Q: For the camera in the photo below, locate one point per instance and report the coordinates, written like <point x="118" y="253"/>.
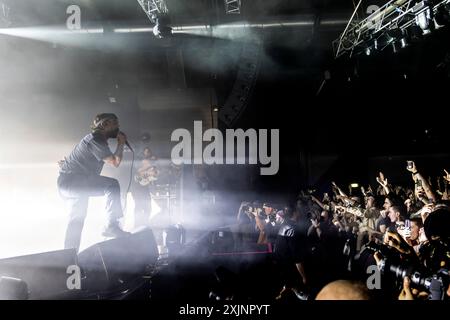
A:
<point x="385" y="250"/>
<point x="435" y="284"/>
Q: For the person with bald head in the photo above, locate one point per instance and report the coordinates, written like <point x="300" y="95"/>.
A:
<point x="344" y="290"/>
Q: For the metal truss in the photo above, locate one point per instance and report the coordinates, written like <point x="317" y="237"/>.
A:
<point x="232" y="6"/>
<point x="394" y="16"/>
<point x="153" y="8"/>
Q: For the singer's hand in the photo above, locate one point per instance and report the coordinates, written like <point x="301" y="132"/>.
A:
<point x="121" y="138"/>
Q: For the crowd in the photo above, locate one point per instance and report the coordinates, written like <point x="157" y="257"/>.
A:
<point x="389" y="242"/>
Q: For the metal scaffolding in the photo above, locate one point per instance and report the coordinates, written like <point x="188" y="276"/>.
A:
<point x="394" y="18"/>
<point x="232" y="6"/>
<point x="153" y="8"/>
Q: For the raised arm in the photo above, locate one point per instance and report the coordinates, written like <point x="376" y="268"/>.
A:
<point x="419" y="179"/>
<point x="383" y="182"/>
<point x="319" y="203"/>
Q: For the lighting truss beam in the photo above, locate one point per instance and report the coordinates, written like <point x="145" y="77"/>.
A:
<point x="232" y="6"/>
<point x="396" y="14"/>
<point x="153" y="8"/>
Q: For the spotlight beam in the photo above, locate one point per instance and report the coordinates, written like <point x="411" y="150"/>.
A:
<point x="240" y="30"/>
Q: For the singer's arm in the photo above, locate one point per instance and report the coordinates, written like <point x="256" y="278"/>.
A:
<point x="116" y="158"/>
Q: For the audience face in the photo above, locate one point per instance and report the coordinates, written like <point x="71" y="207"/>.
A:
<point x="147" y="153"/>
<point x="370" y="202"/>
<point x="393" y="215"/>
<point x="356" y="199"/>
<point x="325" y="216"/>
<point x="268" y="210"/>
<point x="408" y="203"/>
<point x="415" y="229"/>
<point x="387" y="204"/>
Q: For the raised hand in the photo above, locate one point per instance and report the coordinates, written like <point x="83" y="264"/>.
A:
<point x="396" y="241"/>
<point x="121" y="138"/>
<point x="315" y="222"/>
<point x="382" y="180"/>
<point x="411" y="168"/>
<point x="406" y="293"/>
<point x="447" y="176"/>
<point x="335" y="186"/>
<point x="411" y="294"/>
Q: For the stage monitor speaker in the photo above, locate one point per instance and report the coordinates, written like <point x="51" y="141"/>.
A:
<point x="111" y="263"/>
<point x="45" y="274"/>
<point x="13" y="289"/>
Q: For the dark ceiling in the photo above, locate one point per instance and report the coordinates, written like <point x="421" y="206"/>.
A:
<point x="364" y="94"/>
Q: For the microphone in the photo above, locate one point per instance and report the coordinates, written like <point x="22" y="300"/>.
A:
<point x="129" y="147"/>
<point x="127" y="143"/>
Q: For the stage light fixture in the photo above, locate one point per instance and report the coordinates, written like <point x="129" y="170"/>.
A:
<point x="396" y="46"/>
<point x="424" y="20"/>
<point x="442" y="17"/>
<point x="404" y="42"/>
<point x="161" y="29"/>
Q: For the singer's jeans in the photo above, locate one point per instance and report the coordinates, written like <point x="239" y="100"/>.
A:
<point x="76" y="189"/>
<point x="142" y="204"/>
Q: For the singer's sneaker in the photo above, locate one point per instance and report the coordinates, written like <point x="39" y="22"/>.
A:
<point x="114" y="231"/>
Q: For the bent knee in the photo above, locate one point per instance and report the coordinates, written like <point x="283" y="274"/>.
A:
<point x="113" y="185"/>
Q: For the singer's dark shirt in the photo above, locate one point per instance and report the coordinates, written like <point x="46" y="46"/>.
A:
<point x="87" y="156"/>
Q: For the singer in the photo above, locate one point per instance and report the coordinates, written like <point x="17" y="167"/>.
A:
<point x="79" y="178"/>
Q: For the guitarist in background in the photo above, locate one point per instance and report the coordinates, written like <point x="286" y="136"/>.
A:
<point x="145" y="174"/>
